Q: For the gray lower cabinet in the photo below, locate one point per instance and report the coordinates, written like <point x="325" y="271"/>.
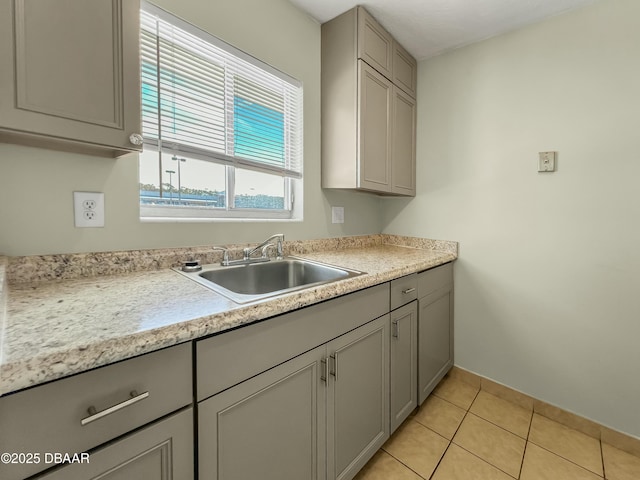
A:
<point x="311" y="394"/>
<point x="435" y="327"/>
<point x="161" y="451"/>
<point x="404" y="363"/>
<point x="84" y="412"/>
<point x="322" y="414"/>
<point x="269" y="427"/>
<point x="70" y="76"/>
<point x="357" y="398"/>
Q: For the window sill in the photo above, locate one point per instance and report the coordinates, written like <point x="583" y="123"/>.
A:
<point x="217" y="220"/>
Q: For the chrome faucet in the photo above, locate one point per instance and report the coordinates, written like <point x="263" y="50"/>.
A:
<point x="247" y="252"/>
<point x="264" y="246"/>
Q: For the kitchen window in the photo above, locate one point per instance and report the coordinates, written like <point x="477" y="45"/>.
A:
<point x="222" y="130"/>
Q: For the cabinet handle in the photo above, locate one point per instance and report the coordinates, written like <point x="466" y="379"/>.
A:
<point x="136" y="139"/>
<point x="409" y="290"/>
<point x="94" y="415"/>
<point x="334" y="357"/>
<point x="325" y="369"/>
<point x="396" y="329"/>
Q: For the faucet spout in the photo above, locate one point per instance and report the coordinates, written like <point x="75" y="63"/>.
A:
<point x="279" y="237"/>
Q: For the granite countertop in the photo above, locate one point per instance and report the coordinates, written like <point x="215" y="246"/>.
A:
<point x="55" y="328"/>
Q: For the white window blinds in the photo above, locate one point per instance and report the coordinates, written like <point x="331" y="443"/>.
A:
<point x="204" y="98"/>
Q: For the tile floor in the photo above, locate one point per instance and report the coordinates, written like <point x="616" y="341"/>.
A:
<point x="463" y="433"/>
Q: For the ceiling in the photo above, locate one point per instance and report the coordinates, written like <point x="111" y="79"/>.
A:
<point x="429" y="27"/>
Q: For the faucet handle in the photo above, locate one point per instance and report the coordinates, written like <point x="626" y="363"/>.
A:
<point x="265" y="250"/>
<point x="225" y="256"/>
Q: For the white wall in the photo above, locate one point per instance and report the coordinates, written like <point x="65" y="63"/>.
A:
<point x="548" y="280"/>
<point x="36" y="207"/>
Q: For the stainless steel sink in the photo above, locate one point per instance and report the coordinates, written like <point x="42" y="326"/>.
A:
<point x="249" y="283"/>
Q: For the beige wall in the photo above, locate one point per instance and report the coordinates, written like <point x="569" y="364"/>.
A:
<point x="548" y="280"/>
<point x="36" y="206"/>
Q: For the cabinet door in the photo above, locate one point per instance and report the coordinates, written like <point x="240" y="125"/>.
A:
<point x="375" y="44"/>
<point x="404" y="363"/>
<point x="374" y="130"/>
<point x="405" y="70"/>
<point x="162" y="451"/>
<point x="77" y="73"/>
<point x="357" y="405"/>
<point x="435" y="339"/>
<point x="403" y="143"/>
<point x="270" y="427"/>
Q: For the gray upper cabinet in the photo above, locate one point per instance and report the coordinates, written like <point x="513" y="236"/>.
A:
<point x="71" y="75"/>
<point x="375" y="45"/>
<point x="375" y="101"/>
<point x="368" y="107"/>
<point x="403" y="141"/>
<point x="404" y="70"/>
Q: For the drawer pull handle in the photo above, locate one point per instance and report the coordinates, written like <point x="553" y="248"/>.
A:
<point x="325" y="369"/>
<point x="94" y="415"/>
<point x="409" y="290"/>
<point x="334" y="357"/>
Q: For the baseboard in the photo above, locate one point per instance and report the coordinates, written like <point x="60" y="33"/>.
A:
<point x="607" y="435"/>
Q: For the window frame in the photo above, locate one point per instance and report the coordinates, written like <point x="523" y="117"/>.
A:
<point x="293" y="186"/>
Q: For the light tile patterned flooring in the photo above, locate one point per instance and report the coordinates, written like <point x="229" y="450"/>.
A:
<point x="463" y="433"/>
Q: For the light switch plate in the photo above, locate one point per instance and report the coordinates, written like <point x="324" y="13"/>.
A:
<point x="547" y="162"/>
<point x="88" y="208"/>
<point x="337" y="214"/>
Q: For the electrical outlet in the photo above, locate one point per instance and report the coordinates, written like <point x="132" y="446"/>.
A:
<point x="88" y="209"/>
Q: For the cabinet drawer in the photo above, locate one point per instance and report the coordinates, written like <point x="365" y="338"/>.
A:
<point x="49" y="418"/>
<point x="432" y="280"/>
<point x="163" y="450"/>
<point x="404" y="290"/>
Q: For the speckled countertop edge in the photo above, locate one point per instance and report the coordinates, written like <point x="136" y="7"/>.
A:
<point x="58" y="328"/>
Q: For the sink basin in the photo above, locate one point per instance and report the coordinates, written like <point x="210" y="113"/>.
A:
<point x="249" y="283"/>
